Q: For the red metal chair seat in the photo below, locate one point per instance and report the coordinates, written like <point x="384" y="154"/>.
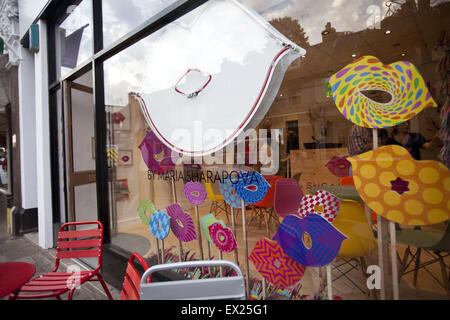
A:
<point x="56" y="282"/>
<point x="73" y="244"/>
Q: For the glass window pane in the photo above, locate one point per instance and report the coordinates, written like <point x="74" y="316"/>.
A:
<point x="316" y="137"/>
<point x="120" y="17"/>
<point x="74" y="40"/>
<point x="4" y="149"/>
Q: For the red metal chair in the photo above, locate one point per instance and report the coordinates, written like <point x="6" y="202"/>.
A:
<point x="132" y="282"/>
<point x="263" y="210"/>
<point x="72" y="244"/>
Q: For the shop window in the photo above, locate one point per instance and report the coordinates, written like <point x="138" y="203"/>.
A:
<point x="333" y="35"/>
<point x="5" y="149"/>
<point x="121" y="17"/>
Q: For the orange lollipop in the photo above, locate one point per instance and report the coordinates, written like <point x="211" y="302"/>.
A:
<point x="401" y="189"/>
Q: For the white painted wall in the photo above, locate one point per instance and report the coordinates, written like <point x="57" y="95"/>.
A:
<point x="43" y="161"/>
<point x="27" y="118"/>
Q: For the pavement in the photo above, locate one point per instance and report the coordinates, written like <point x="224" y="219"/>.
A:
<point x="25" y="249"/>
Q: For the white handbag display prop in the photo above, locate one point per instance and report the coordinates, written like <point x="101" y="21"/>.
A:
<point x="211" y="74"/>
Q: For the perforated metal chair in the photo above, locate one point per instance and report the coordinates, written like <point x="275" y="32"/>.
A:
<point x="72" y="244"/>
<point x="225" y="288"/>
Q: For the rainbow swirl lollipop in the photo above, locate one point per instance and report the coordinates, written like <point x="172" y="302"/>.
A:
<point x="401" y="80"/>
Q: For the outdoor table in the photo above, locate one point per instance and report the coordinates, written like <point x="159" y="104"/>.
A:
<point x="13" y="275"/>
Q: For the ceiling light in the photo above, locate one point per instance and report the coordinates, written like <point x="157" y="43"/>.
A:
<point x="354" y="55"/>
<point x="403" y="54"/>
<point x="387" y="31"/>
<point x="324" y="33"/>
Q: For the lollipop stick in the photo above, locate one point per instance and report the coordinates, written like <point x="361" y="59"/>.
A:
<point x="162" y="251"/>
<point x="233" y="222"/>
<point x="244" y="228"/>
<point x="329" y="282"/>
<point x="221" y="258"/>
<point x="199" y="234"/>
<point x="174" y="194"/>
<point x="158" y="251"/>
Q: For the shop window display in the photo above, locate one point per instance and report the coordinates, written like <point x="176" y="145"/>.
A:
<point x="313" y="121"/>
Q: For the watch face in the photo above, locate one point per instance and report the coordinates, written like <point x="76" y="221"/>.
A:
<point x="211" y="74"/>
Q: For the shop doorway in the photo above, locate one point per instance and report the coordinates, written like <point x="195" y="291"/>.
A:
<point x="80" y="149"/>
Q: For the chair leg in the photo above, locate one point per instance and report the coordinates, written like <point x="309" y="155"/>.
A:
<point x="71" y="292"/>
<point x="403" y="263"/>
<point x="105" y="287"/>
<point x="444" y="273"/>
<point x="419" y="250"/>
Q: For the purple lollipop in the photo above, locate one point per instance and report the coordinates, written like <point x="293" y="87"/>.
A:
<point x="325" y="240"/>
<point x="156" y="155"/>
<point x="181" y="223"/>
<point x="195" y="193"/>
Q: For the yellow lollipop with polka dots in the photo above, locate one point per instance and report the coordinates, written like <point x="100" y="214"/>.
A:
<point x="401" y="189"/>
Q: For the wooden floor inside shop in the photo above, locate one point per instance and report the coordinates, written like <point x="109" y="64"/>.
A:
<point x="352" y="286"/>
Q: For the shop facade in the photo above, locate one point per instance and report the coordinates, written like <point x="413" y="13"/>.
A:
<point x="84" y="63"/>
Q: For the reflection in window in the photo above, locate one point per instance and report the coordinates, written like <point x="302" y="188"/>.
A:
<point x="334" y="34"/>
<point x="120" y="17"/>
<point x="75" y="37"/>
<point x="4" y="149"/>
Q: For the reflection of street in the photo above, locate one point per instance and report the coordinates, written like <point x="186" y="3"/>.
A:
<point x="409" y="32"/>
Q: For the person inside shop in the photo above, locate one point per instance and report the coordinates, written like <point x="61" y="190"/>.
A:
<point x="413" y="142"/>
<point x="360" y="139"/>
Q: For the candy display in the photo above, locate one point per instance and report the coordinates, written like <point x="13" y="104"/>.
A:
<point x="401" y="189"/>
<point x="401" y="80"/>
<point x="181" y="223"/>
<point x="322" y="246"/>
<point x="274" y="265"/>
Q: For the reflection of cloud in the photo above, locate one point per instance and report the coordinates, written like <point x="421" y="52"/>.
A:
<point x="348" y="15"/>
<point x="120" y="16"/>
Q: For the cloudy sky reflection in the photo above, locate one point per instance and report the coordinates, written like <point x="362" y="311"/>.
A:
<point x="126" y="71"/>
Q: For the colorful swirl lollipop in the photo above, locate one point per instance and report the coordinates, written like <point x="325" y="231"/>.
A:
<point x="195" y="193"/>
<point x="208" y="221"/>
<point x="222" y="237"/>
<point x="160" y="225"/>
<point x="143" y="208"/>
<point x="400" y="80"/>
<point x="401" y="189"/>
<point x="181" y="223"/>
<point x="229" y="194"/>
<point x="157" y="156"/>
<point x="274" y="265"/>
<point x="325" y="240"/>
<point x="251" y="186"/>
<point x="322" y="203"/>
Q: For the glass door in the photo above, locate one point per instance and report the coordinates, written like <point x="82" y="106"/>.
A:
<point x="81" y="184"/>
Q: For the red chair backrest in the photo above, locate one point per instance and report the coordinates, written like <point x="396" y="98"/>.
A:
<point x="132" y="282"/>
<point x="74" y="244"/>
<point x="268" y="199"/>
